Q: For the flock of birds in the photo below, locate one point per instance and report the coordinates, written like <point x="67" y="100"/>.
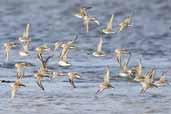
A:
<point x="122" y="56"/>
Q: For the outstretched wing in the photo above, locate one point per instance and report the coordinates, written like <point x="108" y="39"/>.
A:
<point x="73" y="41"/>
<point x="150" y="75"/>
<point x="72" y="83"/>
<point x="107" y="75"/>
<point x="27" y="31"/>
<point x="39" y="56"/>
<point x="118" y="58"/>
<point x="163" y="77"/>
<point x="64" y="54"/>
<point x="95" y="20"/>
<point x="110" y="23"/>
<point x="100" y="43"/>
<point x="139" y="67"/>
<point x="13" y="92"/>
<point x="20" y="75"/>
<point x="47" y="59"/>
<point x="125" y="64"/>
<point x="39" y="83"/>
<point x="65" y="57"/>
<point x="26" y="46"/>
<point x="100" y="90"/>
<point x="86" y="21"/>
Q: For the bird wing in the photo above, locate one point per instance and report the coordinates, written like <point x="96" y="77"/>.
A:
<point x="125" y="65"/>
<point x="72" y="83"/>
<point x="96" y="21"/>
<point x="13" y="92"/>
<point x="64" y="53"/>
<point x="71" y="43"/>
<point x="43" y="63"/>
<point x="24" y="34"/>
<point x="86" y="23"/>
<point x="27" y="31"/>
<point x="110" y="23"/>
<point x="39" y="56"/>
<point x="75" y="39"/>
<point x="118" y="58"/>
<point x="150" y="75"/>
<point x="100" y="90"/>
<point x="153" y="76"/>
<point x="107" y="75"/>
<point x="163" y="77"/>
<point x="139" y="67"/>
<point x="7" y="50"/>
<point x="19" y="75"/>
<point x="47" y="59"/>
<point x="39" y="83"/>
<point x="100" y="43"/>
<point x="26" y="46"/>
<point x="65" y="57"/>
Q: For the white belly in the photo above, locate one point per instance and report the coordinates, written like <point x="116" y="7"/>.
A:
<point x="98" y="55"/>
<point x="107" y="32"/>
<point x="121" y="74"/>
<point x="63" y="63"/>
<point x="23" y="53"/>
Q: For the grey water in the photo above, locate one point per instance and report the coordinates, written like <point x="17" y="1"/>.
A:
<point x="53" y="20"/>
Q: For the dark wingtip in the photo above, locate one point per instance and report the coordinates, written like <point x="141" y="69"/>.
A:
<point x="76" y="37"/>
<point x="40" y="85"/>
<point x="97" y="92"/>
<point x="72" y="83"/>
<point x="87" y="7"/>
<point x="23" y="85"/>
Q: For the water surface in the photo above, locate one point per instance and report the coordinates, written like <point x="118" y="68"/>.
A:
<point x="53" y="20"/>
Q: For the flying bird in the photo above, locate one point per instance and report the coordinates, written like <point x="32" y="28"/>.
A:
<point x="106" y="83"/>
